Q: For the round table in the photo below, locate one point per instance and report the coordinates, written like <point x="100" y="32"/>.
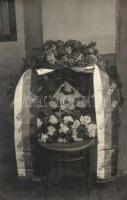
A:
<point x="68" y="153"/>
<point x="71" y="147"/>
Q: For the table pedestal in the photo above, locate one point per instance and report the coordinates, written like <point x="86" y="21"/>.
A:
<point x="69" y="156"/>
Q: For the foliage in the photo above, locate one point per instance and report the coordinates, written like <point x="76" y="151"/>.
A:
<point x="59" y="54"/>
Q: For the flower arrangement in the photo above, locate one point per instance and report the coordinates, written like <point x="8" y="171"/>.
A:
<point x="64" y="54"/>
<point x="65" y="129"/>
<point x="66" y="117"/>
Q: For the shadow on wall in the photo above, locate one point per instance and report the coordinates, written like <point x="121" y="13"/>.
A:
<point x="82" y="20"/>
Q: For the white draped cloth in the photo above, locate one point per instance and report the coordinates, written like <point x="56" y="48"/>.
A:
<point x="105" y="106"/>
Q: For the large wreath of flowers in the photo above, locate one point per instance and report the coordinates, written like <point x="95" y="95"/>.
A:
<point x="66" y="130"/>
<point x="64" y="54"/>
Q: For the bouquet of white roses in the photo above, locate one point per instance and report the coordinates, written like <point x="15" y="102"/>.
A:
<point x="65" y="129"/>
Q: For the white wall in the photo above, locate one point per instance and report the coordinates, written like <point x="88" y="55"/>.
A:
<point x="84" y="20"/>
<point x="11" y="53"/>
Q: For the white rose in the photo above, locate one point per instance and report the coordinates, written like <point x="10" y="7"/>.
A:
<point x="68" y="119"/>
<point x="39" y="122"/>
<point x="76" y="124"/>
<point x="51" y="130"/>
<point x="63" y="128"/>
<point x="53" y="119"/>
<point x="85" y="120"/>
<point x="44" y="138"/>
<point x="92" y="128"/>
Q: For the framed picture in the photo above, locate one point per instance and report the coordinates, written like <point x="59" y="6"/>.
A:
<point x="7" y="21"/>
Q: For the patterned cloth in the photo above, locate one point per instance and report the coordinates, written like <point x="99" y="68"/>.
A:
<point x="24" y="123"/>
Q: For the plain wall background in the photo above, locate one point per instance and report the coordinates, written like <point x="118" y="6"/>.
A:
<point x="84" y="20"/>
<point x="122" y="69"/>
<point x="11" y="53"/>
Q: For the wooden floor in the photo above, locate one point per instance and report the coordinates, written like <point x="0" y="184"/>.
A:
<point x="12" y="189"/>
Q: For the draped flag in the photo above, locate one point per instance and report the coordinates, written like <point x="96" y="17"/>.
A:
<point x="24" y="123"/>
<point x="107" y="115"/>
